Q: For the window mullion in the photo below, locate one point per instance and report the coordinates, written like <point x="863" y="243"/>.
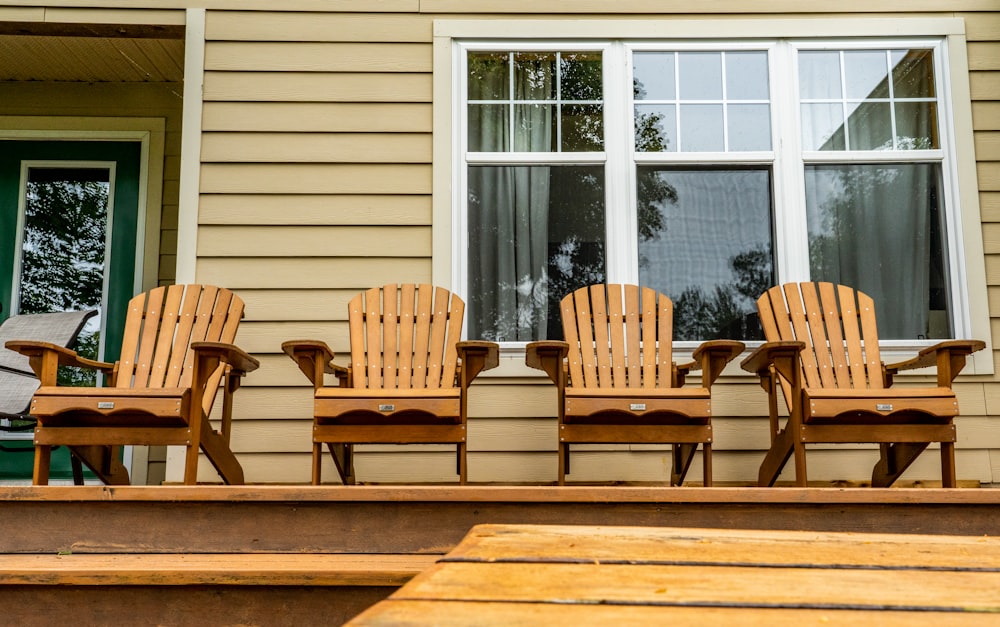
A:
<point x="791" y="232"/>
<point x="622" y="229"/>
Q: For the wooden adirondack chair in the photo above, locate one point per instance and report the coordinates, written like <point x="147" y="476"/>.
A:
<point x="823" y="350"/>
<point x="408" y="379"/>
<point x="619" y="383"/>
<point x="177" y="348"/>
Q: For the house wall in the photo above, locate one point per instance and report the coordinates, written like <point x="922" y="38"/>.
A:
<point x="316" y="182"/>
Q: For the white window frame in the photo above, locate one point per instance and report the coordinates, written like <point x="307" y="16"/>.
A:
<point x="782" y="38"/>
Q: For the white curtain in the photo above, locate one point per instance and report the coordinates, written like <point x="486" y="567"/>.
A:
<point x="508" y="219"/>
<point x="870" y="228"/>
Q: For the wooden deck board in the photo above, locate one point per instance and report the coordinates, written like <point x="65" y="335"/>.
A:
<point x="402" y="613"/>
<point x="749" y="572"/>
<point x="248" y="569"/>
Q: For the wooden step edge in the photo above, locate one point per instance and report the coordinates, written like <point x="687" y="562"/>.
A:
<point x="244" y="569"/>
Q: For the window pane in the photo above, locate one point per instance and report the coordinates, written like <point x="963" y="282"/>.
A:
<point x="866" y="74"/>
<point x="700" y="75"/>
<point x="489" y="75"/>
<point x="534" y="76"/>
<point x="488" y="129"/>
<point x="819" y="75"/>
<point x="749" y="127"/>
<point x="916" y="125"/>
<point x="655" y="128"/>
<point x="705" y="240"/>
<point x="580" y="76"/>
<point x="823" y="127"/>
<point x="701" y="128"/>
<point x="746" y="76"/>
<point x="582" y="128"/>
<point x="913" y="73"/>
<point x="536" y="233"/>
<point x="870" y="126"/>
<point x="653" y="76"/>
<point x="534" y="128"/>
<point x="63" y="263"/>
<point x="879" y="229"/>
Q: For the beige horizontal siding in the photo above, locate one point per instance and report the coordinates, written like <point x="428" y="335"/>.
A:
<point x="984" y="85"/>
<point x="986" y="116"/>
<point x="984" y="56"/>
<point x="315" y="178"/>
<point x="313" y="87"/>
<point x="314" y="241"/>
<point x="989" y="175"/>
<point x="343" y="209"/>
<point x="317" y="117"/>
<point x="317" y="57"/>
<point x="316" y="147"/>
<point x="311" y="273"/>
<point x="266" y="337"/>
<point x="987" y="146"/>
<point x="320" y="26"/>
<point x="289" y="305"/>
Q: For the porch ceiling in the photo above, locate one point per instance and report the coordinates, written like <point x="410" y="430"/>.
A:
<point x="91" y="59"/>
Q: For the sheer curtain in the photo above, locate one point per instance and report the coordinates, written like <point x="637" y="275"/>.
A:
<point x="870" y="228"/>
<point x="508" y="219"/>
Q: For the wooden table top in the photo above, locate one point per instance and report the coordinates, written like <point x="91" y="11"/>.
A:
<point x="542" y="574"/>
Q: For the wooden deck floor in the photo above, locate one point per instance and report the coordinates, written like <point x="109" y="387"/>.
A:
<point x="172" y="554"/>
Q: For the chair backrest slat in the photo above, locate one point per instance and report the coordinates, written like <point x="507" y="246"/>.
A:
<point x="568" y="313"/>
<point x="602" y="341"/>
<point x="616" y="329"/>
<point x="405" y="337"/>
<point x="439" y="333"/>
<point x="619" y="336"/>
<point x="373" y="337"/>
<point x="869" y="337"/>
<point x="390" y="336"/>
<point x="407" y="328"/>
<point x="421" y="346"/>
<point x="356" y="325"/>
<point x="456" y="314"/>
<point x="837" y="324"/>
<point x="583" y="317"/>
<point x="665" y="332"/>
<point x="830" y="314"/>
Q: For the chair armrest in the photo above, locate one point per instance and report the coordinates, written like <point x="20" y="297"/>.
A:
<point x="711" y="358"/>
<point x="477" y="356"/>
<point x="548" y="355"/>
<point x="948" y="356"/>
<point x="44" y="355"/>
<point x="314" y="358"/>
<point x="239" y="360"/>
<point x="783" y="355"/>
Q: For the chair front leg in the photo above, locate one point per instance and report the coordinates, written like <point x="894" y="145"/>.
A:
<point x="40" y="473"/>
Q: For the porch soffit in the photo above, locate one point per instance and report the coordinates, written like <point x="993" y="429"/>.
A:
<point x="91" y="53"/>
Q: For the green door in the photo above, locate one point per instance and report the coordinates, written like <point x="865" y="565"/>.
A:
<point x="69" y="228"/>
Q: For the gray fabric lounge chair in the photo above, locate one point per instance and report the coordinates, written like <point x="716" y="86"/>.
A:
<point x="17" y="380"/>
